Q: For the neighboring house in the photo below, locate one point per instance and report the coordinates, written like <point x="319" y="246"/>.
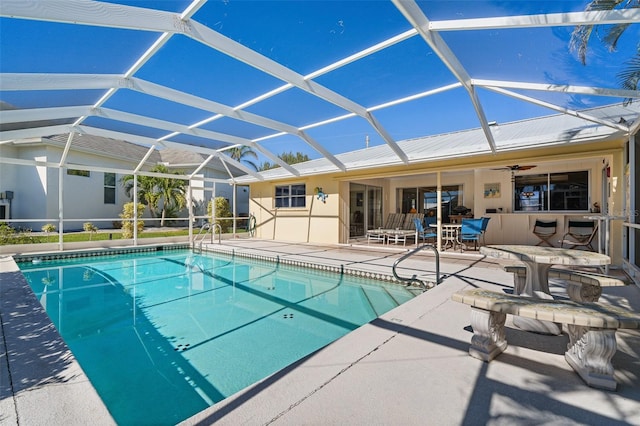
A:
<point x="30" y="196"/>
<point x="576" y="163"/>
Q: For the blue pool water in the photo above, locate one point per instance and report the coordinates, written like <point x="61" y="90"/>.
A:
<point x="164" y="335"/>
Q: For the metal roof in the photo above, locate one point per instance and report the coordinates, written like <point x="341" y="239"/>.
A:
<point x="315" y="77"/>
<point x="521" y="135"/>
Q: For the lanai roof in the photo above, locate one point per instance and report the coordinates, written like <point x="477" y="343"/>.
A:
<point x="323" y="78"/>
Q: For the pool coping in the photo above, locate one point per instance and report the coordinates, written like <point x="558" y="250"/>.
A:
<point x="351" y="375"/>
<point x="41" y="382"/>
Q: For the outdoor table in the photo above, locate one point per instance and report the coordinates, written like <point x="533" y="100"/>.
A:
<point x="450" y="234"/>
<point x="537" y="261"/>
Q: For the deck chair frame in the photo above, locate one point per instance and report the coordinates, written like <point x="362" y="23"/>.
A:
<point x="545" y="230"/>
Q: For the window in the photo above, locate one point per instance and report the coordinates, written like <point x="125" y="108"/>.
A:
<point x="109" y="188"/>
<point x="552" y="192"/>
<point x="451" y="198"/>
<point x="75" y="172"/>
<point x="291" y="196"/>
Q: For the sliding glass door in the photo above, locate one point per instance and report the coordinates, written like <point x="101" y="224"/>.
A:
<point x="365" y="209"/>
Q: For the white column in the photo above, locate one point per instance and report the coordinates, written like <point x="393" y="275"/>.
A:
<point x="135" y="209"/>
<point x="60" y="207"/>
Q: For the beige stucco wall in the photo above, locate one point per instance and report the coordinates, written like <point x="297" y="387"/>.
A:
<point x="329" y="222"/>
<point x="318" y="221"/>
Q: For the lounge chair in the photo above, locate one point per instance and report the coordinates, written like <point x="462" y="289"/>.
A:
<point x="394" y="220"/>
<point x="409" y="220"/>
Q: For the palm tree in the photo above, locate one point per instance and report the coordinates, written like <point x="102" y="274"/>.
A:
<point x="152" y="190"/>
<point x="146" y="191"/>
<point x="240" y="154"/>
<point x="629" y="77"/>
<point x="172" y="192"/>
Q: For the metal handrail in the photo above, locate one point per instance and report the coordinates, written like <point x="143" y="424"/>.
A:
<point x="414" y="278"/>
<point x="208" y="227"/>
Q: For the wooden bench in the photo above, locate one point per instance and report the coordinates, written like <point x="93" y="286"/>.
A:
<point x="591" y="328"/>
<point x="581" y="286"/>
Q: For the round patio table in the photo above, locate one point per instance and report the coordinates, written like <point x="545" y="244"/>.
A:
<point x="537" y="261"/>
<point x="450" y="234"/>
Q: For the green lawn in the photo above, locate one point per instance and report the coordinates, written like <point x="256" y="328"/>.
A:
<point x="7" y="238"/>
<point x="76" y="237"/>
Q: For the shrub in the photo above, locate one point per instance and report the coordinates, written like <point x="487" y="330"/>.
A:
<point x="48" y="228"/>
<point x="90" y="228"/>
<point x="6" y="233"/>
<point x="9" y="235"/>
<point x="222" y="210"/>
<point x="127" y="224"/>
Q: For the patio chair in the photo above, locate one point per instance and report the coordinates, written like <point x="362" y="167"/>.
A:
<point x="430" y="220"/>
<point x="580" y="234"/>
<point x="485" y="223"/>
<point x="471" y="230"/>
<point x="545" y="230"/>
<point x="422" y="233"/>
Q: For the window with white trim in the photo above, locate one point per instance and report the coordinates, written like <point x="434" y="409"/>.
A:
<point x="290" y="196"/>
<point x="552" y="192"/>
<point x="109" y="188"/>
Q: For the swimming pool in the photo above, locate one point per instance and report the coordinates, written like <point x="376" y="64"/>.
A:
<point x="163" y="335"/>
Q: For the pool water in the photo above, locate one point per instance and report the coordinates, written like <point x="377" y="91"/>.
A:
<point x="164" y="335"/>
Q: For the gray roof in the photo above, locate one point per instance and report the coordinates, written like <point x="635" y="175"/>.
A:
<point x="110" y="147"/>
<point x="554" y="130"/>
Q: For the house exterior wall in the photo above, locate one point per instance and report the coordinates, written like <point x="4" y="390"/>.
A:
<point x="36" y="189"/>
<point x="30" y="189"/>
<point x="329" y="223"/>
<point x="318" y="221"/>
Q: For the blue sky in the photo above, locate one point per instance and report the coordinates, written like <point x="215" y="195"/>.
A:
<point x="306" y="36"/>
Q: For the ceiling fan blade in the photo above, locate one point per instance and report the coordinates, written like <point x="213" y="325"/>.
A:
<point x="515" y="168"/>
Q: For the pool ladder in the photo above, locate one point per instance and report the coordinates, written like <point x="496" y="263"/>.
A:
<point x="414" y="279"/>
<point x="206" y="228"/>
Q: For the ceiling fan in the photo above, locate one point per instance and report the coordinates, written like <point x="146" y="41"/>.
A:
<point x="515" y="168"/>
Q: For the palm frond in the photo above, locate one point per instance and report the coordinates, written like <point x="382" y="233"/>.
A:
<point x="582" y="33"/>
<point x="629" y="77"/>
<point x="613" y="35"/>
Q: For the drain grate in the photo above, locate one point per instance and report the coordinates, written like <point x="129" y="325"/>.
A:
<point x="182" y="347"/>
<point x="288" y="316"/>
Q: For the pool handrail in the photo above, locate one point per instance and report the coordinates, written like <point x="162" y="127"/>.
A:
<point x="414" y="278"/>
<point x="206" y="227"/>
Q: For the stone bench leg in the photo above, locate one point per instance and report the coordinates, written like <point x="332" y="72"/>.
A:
<point x="589" y="353"/>
<point x="488" y="339"/>
<point x="519" y="282"/>
<point x="583" y="292"/>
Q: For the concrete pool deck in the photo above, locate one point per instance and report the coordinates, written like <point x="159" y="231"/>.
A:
<point x="410" y="366"/>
